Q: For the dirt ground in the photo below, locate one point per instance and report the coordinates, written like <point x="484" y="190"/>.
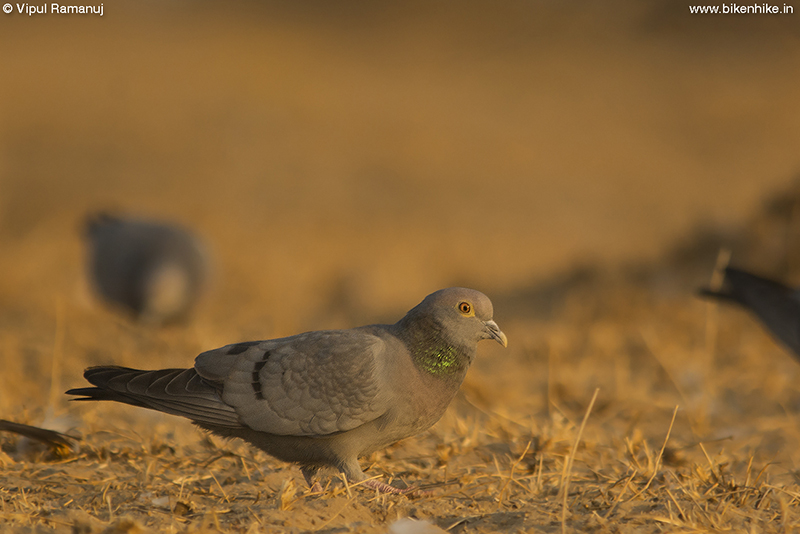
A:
<point x="582" y="164"/>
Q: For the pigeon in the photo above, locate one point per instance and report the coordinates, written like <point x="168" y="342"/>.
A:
<point x="153" y="270"/>
<point x="776" y="305"/>
<point x="323" y="398"/>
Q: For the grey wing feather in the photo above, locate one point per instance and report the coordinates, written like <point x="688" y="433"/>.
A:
<point x="312" y="384"/>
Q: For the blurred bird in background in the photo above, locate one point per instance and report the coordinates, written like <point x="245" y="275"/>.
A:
<point x="154" y="271"/>
<point x="776" y="305"/>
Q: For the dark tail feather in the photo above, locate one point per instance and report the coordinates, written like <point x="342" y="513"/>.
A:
<point x="175" y="391"/>
<point x="776" y="305"/>
<point x="53" y="439"/>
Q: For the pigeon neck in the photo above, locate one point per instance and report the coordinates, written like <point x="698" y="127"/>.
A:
<point x="433" y="353"/>
<point x="443" y="360"/>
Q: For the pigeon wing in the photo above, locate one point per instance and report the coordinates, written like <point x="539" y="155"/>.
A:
<point x="312" y="384"/>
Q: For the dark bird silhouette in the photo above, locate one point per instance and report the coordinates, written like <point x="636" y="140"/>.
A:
<point x="776" y="305"/>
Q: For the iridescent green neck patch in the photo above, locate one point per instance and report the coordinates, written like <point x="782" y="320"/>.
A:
<point x="438" y="360"/>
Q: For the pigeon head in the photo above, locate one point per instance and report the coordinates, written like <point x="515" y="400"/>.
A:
<point x="464" y="315"/>
<point x="442" y="331"/>
<point x="458" y="316"/>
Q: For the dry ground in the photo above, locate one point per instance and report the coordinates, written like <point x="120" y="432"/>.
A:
<point x="508" y="456"/>
<point x="582" y="164"/>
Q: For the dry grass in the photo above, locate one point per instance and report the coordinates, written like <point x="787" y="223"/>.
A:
<point x="675" y="439"/>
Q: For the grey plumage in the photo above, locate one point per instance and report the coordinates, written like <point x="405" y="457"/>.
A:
<point x="776" y="305"/>
<point x="325" y="398"/>
<point x="153" y="270"/>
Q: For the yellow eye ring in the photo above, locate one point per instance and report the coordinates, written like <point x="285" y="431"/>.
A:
<point x="465" y="308"/>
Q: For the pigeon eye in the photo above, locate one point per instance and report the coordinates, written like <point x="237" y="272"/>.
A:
<point x="465" y="308"/>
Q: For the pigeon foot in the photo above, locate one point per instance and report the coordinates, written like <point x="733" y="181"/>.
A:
<point x="383" y="487"/>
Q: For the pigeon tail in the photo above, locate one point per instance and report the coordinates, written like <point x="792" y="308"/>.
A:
<point x="174" y="391"/>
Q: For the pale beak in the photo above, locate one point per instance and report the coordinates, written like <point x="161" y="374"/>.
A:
<point x="493" y="332"/>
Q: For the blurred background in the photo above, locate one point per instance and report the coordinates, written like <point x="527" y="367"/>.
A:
<point x="343" y="160"/>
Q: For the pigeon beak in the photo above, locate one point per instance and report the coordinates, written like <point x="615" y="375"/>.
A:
<point x="493" y="332"/>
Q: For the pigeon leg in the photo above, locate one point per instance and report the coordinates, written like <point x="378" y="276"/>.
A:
<point x="309" y="472"/>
